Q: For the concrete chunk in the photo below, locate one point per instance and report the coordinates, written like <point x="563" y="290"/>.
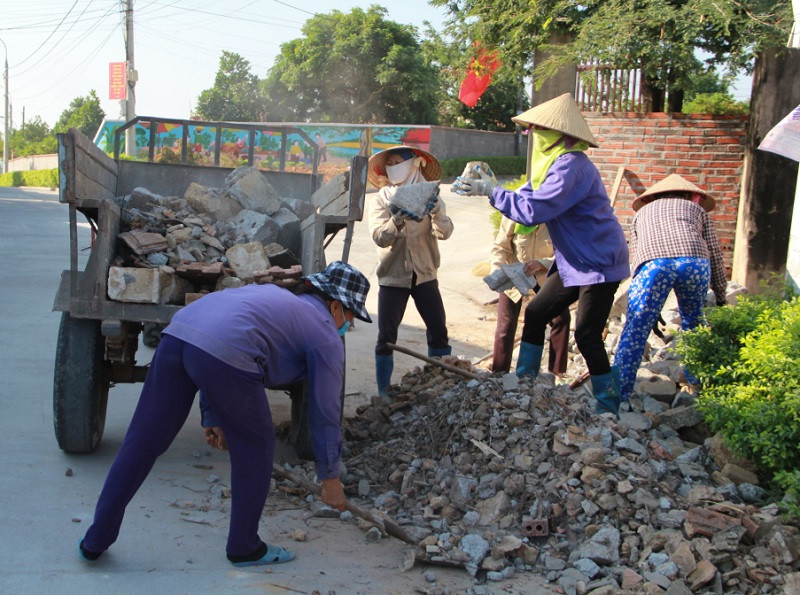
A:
<point x="249" y="187"/>
<point x="332" y="197"/>
<point x="414" y="198"/>
<point x="247" y="259"/>
<point x="253" y="226"/>
<point x="146" y="286"/>
<point x="288" y="229"/>
<point x="211" y="201"/>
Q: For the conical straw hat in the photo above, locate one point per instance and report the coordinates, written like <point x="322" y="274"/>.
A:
<point x="561" y="114"/>
<point x="376" y="170"/>
<point x="673" y="183"/>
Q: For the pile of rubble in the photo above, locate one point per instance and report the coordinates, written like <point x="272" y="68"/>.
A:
<point x="206" y="240"/>
<point x="503" y="475"/>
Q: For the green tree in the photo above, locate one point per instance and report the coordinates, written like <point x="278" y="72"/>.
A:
<point x="505" y="96"/>
<point x="352" y="67"/>
<point x="34" y="138"/>
<point x="83" y="113"/>
<point x="659" y="36"/>
<point x="235" y="94"/>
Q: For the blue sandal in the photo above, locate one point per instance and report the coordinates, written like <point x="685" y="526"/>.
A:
<point x="274" y="555"/>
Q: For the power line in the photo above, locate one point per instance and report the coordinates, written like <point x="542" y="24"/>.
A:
<point x="296" y="8"/>
<point x="48" y="37"/>
<point x="95" y="25"/>
<point x="80" y="66"/>
<point x="60" y="39"/>
<point x="229" y="15"/>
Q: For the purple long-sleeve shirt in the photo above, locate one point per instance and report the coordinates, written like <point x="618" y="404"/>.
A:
<point x="286" y="337"/>
<point x="588" y="241"/>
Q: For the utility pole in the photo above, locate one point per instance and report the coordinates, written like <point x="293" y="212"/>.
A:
<point x="6" y="124"/>
<point x="130" y="76"/>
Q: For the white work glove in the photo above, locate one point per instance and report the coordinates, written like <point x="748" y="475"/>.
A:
<point x="477" y="179"/>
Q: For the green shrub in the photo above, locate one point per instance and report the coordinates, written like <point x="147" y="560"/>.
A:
<point x="715" y="103"/>
<point x="746" y="361"/>
<point x="42" y="178"/>
<point x="501" y="166"/>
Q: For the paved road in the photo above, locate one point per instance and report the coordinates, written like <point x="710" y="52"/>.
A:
<point x="173" y="536"/>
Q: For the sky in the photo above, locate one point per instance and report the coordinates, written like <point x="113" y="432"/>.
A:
<point x="58" y="50"/>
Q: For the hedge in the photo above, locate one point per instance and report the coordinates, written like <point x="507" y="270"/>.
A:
<point x="41" y="178"/>
<point x="501" y="166"/>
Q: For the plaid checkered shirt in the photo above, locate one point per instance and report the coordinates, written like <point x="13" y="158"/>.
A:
<point x="670" y="227"/>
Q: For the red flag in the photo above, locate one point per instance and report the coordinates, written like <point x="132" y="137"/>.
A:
<point x="479" y="76"/>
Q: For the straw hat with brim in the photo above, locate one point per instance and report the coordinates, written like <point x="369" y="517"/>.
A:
<point x="561" y="114"/>
<point x="673" y="183"/>
<point x="431" y="171"/>
<point x="343" y="282"/>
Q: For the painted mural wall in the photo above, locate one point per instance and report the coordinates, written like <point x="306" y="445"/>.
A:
<point x="336" y="144"/>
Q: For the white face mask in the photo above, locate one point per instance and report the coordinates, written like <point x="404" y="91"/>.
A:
<point x="399" y="173"/>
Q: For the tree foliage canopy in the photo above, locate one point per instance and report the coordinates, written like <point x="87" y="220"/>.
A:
<point x="658" y="36"/>
<point x="352" y="67"/>
<point x="34" y="138"/>
<point x="83" y="113"/>
<point x="235" y="94"/>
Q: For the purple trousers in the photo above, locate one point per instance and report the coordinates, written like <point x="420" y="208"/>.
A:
<point x="238" y="399"/>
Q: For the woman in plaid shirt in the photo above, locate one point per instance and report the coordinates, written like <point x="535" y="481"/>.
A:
<point x="673" y="245"/>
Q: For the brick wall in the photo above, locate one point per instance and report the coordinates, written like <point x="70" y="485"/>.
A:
<point x="707" y="150"/>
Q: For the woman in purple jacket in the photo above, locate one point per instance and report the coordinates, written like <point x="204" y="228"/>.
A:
<point x="231" y="344"/>
<point x="566" y="192"/>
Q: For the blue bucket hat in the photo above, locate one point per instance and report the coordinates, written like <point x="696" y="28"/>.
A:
<point x="343" y="282"/>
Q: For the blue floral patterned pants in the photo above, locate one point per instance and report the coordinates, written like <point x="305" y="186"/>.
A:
<point x="689" y="277"/>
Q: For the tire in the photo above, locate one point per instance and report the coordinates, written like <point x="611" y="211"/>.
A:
<point x="80" y="385"/>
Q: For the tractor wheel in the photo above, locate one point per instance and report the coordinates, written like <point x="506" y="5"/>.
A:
<point x="80" y="385"/>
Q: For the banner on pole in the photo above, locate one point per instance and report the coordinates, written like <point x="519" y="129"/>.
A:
<point x="116" y="80"/>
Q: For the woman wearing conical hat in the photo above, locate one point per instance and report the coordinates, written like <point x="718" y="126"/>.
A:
<point x="408" y="253"/>
<point x="566" y="192"/>
<point x="674" y="245"/>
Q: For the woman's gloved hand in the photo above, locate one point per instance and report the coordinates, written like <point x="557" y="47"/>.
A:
<point x="476" y="181"/>
<point x="400" y="216"/>
<point x="433" y="206"/>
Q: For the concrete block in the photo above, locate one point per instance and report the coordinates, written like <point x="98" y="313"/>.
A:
<point x="144" y="200"/>
<point x="332" y="197"/>
<point x="210" y="200"/>
<point x="288" y="229"/>
<point x="147" y="286"/>
<point x="249" y="187"/>
<point x="253" y="226"/>
<point x="247" y="259"/>
<point x="414" y="198"/>
<point x="302" y="208"/>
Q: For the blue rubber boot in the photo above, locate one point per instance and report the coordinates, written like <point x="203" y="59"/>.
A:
<point x="607" y="392"/>
<point x="384" y="364"/>
<point x="529" y="359"/>
<point x="439" y="351"/>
